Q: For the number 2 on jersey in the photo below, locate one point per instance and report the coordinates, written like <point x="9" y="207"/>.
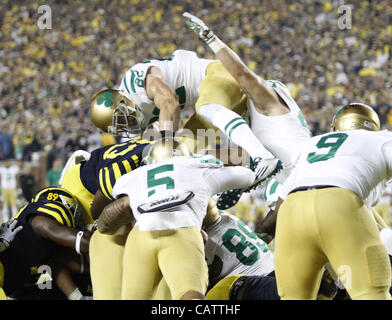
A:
<point x="332" y="142"/>
<point x="152" y="181"/>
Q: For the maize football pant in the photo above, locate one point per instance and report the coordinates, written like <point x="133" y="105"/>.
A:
<point x="106" y="255"/>
<point x="330" y="224"/>
<point x="177" y="256"/>
<point x="218" y="87"/>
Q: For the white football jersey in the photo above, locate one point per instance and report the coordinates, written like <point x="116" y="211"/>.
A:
<point x="282" y="134"/>
<point x="233" y="248"/>
<point x="357" y="160"/>
<point x="376" y="194"/>
<point x="204" y="176"/>
<point x="8" y="176"/>
<point x="183" y="72"/>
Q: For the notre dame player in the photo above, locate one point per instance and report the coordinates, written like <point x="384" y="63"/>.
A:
<point x="159" y="89"/>
<point x="325" y="212"/>
<point x="49" y="229"/>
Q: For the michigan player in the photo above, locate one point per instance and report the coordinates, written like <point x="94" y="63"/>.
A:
<point x="8" y="233"/>
<point x="276" y="120"/>
<point x="48" y="224"/>
<point x="168" y="199"/>
<point x="92" y="183"/>
<point x="157" y="90"/>
<point x="325" y="215"/>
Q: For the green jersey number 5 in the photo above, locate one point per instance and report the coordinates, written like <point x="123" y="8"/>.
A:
<point x="152" y="181"/>
<point x="332" y="143"/>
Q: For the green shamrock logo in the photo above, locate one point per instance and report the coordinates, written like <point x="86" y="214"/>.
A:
<point x="107" y="99"/>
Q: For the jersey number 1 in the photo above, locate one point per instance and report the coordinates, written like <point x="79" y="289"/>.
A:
<point x="332" y="142"/>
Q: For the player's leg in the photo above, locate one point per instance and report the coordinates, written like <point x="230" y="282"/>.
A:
<point x="222" y="289"/>
<point x="383" y="211"/>
<point x="106" y="257"/>
<point x="182" y="262"/>
<point x="141" y="274"/>
<point x="163" y="291"/>
<point x="12" y="201"/>
<point x="298" y="259"/>
<point x="198" y="134"/>
<point x="255" y="288"/>
<point x="6" y="204"/>
<point x="351" y="241"/>
<point x="221" y="103"/>
<point x="2" y="293"/>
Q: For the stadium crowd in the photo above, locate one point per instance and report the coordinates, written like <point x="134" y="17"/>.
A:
<point x="48" y="76"/>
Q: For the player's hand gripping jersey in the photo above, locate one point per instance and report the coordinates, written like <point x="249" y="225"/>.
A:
<point x="183" y="71"/>
<point x="233" y="248"/>
<point x="201" y="176"/>
<point x="357" y="160"/>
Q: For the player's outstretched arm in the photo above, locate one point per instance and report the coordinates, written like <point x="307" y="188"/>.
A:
<point x="115" y="215"/>
<point x="50" y="229"/>
<point x="165" y="99"/>
<point x="253" y="85"/>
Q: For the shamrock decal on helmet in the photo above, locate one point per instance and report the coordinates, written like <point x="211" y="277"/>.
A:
<point x="107" y="99"/>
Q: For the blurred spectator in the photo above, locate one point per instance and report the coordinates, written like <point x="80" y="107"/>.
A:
<point x="6" y="144"/>
<point x="55" y="151"/>
<point x="54" y="174"/>
<point x="27" y="181"/>
<point x="9" y="176"/>
<point x="30" y="145"/>
<point x="73" y="143"/>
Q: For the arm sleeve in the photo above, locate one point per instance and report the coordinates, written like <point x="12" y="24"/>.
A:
<point x="226" y="178"/>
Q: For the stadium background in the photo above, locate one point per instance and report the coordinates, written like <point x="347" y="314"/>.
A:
<point x="48" y="76"/>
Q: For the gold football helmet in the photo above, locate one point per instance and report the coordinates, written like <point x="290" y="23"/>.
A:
<point x="163" y="149"/>
<point x="356" y="116"/>
<point x="112" y="112"/>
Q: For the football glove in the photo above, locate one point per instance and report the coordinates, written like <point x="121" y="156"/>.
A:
<point x="199" y="27"/>
<point x="9" y="232"/>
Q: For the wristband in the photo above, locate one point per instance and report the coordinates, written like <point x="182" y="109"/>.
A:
<point x="77" y="241"/>
<point x="216" y="44"/>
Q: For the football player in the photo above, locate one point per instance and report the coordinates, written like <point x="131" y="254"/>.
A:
<point x="158" y="89"/>
<point x="325" y="214"/>
<point x="48" y="224"/>
<point x="235" y="254"/>
<point x="92" y="182"/>
<point x="276" y="120"/>
<point x="168" y="198"/>
<point x="7" y="235"/>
